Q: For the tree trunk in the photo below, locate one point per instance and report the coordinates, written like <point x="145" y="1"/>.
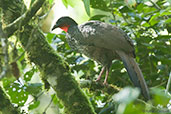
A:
<point x="5" y="106"/>
<point x="53" y="68"/>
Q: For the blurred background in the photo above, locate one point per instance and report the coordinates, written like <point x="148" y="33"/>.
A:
<point x="146" y="22"/>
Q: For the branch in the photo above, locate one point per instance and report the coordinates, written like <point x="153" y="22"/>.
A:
<point x="168" y="83"/>
<point x="55" y="71"/>
<point x="53" y="68"/>
<point x="5" y="106"/>
<point x="94" y="86"/>
<point x="156" y="6"/>
<point x="44" y="112"/>
<point x="4" y="43"/>
<point x="24" y="19"/>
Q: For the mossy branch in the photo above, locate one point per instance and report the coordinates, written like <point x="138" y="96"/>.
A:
<point x="23" y="19"/>
<point x="4" y="43"/>
<point x="56" y="71"/>
<point x="53" y="68"/>
<point x="5" y="106"/>
<point x="96" y="86"/>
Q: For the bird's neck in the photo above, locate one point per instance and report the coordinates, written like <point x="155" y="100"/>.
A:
<point x="72" y="29"/>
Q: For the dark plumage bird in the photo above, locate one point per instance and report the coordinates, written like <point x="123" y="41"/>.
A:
<point x="104" y="43"/>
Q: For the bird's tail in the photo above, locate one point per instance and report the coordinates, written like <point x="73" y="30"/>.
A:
<point x="135" y="73"/>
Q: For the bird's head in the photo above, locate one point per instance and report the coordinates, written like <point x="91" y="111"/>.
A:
<point x="64" y="23"/>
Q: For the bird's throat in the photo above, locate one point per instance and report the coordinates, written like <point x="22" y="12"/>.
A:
<point x="65" y="28"/>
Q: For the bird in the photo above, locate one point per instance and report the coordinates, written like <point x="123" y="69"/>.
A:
<point x="103" y="43"/>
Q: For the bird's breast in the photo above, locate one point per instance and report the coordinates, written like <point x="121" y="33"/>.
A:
<point x="101" y="55"/>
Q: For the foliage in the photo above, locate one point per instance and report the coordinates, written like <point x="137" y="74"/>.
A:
<point x="147" y="23"/>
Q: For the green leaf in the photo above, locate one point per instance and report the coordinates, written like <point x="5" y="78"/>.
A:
<point x="124" y="9"/>
<point x="17" y="94"/>
<point x="103" y="4"/>
<point x="133" y="108"/>
<point x="35" y="105"/>
<point x="50" y="36"/>
<point x="65" y="3"/>
<point x="153" y="19"/>
<point x="160" y="97"/>
<point x="145" y="24"/>
<point x="97" y="17"/>
<point x="50" y="1"/>
<point x="7" y="81"/>
<point x="28" y="75"/>
<point x="57" y="101"/>
<point x="34" y="88"/>
<point x="87" y="6"/>
<point x="32" y="1"/>
<point x="168" y="20"/>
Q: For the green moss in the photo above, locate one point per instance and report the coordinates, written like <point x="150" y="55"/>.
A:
<point x="5" y="105"/>
<point x="11" y="10"/>
<point x="56" y="71"/>
<point x="50" y="64"/>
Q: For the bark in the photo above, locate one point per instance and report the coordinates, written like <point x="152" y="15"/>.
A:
<point x="4" y="51"/>
<point x="5" y="106"/>
<point x="52" y="67"/>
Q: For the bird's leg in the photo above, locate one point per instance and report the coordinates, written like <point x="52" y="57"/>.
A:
<point x="101" y="72"/>
<point x="106" y="76"/>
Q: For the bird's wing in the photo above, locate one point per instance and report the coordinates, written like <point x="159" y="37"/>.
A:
<point x="106" y="36"/>
<point x="110" y="37"/>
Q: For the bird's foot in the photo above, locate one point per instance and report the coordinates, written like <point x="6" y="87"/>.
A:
<point x="98" y="79"/>
<point x="100" y="75"/>
<point x="107" y="73"/>
<point x="105" y="83"/>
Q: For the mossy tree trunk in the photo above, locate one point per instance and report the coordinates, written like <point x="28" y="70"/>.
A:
<point x="5" y="105"/>
<point x="54" y="70"/>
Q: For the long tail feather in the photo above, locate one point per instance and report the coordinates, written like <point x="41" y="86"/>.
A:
<point x="135" y="73"/>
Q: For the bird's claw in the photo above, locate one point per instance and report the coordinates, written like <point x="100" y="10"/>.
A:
<point x="98" y="79"/>
<point x="105" y="83"/>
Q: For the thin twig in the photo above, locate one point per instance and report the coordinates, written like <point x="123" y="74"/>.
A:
<point x="17" y="58"/>
<point x="27" y="46"/>
<point x="34" y="99"/>
<point x="114" y="17"/>
<point x="4" y="43"/>
<point x="154" y="109"/>
<point x="46" y="14"/>
<point x="93" y="85"/>
<point x="162" y="83"/>
<point x="49" y="104"/>
<point x="168" y="84"/>
<point x="158" y="8"/>
<point x="18" y="35"/>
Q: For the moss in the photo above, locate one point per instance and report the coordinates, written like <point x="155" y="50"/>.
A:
<point x="5" y="105"/>
<point x="11" y="10"/>
<point x="56" y="71"/>
<point x="50" y="64"/>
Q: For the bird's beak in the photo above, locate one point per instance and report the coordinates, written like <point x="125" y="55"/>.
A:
<point x="54" y="27"/>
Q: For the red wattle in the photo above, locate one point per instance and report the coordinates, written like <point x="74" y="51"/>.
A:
<point x="65" y="28"/>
